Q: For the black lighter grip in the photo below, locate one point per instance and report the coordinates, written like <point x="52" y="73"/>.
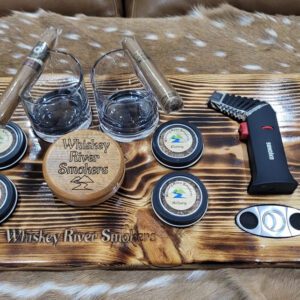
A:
<point x="268" y="163"/>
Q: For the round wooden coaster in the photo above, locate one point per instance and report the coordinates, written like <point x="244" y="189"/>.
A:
<point x="84" y="168"/>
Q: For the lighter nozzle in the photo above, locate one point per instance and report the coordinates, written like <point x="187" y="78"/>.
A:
<point x="216" y="97"/>
<point x="215" y="100"/>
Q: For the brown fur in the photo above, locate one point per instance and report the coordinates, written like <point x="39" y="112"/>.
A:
<point x="178" y="45"/>
<point x="254" y="284"/>
<point x="187" y="44"/>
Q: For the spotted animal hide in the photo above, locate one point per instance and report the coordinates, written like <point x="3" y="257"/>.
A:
<point x="222" y="40"/>
<point x="255" y="284"/>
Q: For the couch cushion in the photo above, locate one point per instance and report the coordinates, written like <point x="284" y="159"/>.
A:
<point x="105" y="8"/>
<point x="162" y="8"/>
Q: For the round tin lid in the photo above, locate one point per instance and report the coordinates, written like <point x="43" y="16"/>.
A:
<point x="8" y="198"/>
<point x="179" y="199"/>
<point x="13" y="145"/>
<point x="177" y="144"/>
<point x="84" y="168"/>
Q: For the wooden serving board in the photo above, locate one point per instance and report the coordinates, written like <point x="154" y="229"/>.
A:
<point x="123" y="232"/>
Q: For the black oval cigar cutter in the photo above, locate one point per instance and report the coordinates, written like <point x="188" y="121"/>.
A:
<point x="259" y="129"/>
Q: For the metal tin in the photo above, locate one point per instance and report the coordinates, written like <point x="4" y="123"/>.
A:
<point x="13" y="145"/>
<point x="177" y="144"/>
<point x="179" y="199"/>
<point x="8" y="198"/>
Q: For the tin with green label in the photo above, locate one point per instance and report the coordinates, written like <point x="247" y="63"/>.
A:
<point x="180" y="199"/>
<point x="177" y="144"/>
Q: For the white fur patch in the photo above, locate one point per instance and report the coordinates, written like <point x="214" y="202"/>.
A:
<point x="196" y="12"/>
<point x="252" y="67"/>
<point x="119" y="54"/>
<point x="24" y="46"/>
<point x="78" y="291"/>
<point x="244" y="41"/>
<point x="63" y="61"/>
<point x="286" y="21"/>
<point x="241" y="40"/>
<point x="35" y="15"/>
<point x="93" y="291"/>
<point x="190" y="36"/>
<point x="93" y="27"/>
<point x="289" y="47"/>
<point x="151" y="36"/>
<point x="170" y="35"/>
<point x="195" y="275"/>
<point x="110" y="29"/>
<point x="268" y="17"/>
<point x="220" y="54"/>
<point x="265" y="17"/>
<point x="284" y="65"/>
<point x="268" y="41"/>
<point x="200" y="43"/>
<point x="224" y="72"/>
<point x="271" y="32"/>
<point x="180" y="58"/>
<point x="17" y="55"/>
<point x="182" y="70"/>
<point x="4" y="25"/>
<point x="128" y="33"/>
<point x="160" y="281"/>
<point x="218" y="24"/>
<point x="25" y="21"/>
<point x="95" y="44"/>
<point x="245" y="20"/>
<point x="73" y="18"/>
<point x="122" y="289"/>
<point x="124" y="65"/>
<point x="11" y="71"/>
<point x="72" y="36"/>
<point x="62" y="49"/>
<point x="2" y="32"/>
<point x="5" y="39"/>
<point x="34" y="35"/>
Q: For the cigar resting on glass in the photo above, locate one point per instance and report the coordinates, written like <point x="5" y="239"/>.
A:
<point x="27" y="74"/>
<point x="165" y="94"/>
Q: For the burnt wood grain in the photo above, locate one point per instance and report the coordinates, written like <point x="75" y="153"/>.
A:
<point x="123" y="232"/>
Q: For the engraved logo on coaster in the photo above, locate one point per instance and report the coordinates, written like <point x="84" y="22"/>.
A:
<point x="82" y="183"/>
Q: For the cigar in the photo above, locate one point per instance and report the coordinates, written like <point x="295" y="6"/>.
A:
<point x="27" y="74"/>
<point x="165" y="94"/>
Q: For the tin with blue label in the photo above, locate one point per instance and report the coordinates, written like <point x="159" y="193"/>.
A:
<point x="180" y="199"/>
<point x="177" y="144"/>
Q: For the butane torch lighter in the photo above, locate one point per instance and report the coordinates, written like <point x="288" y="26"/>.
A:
<point x="259" y="128"/>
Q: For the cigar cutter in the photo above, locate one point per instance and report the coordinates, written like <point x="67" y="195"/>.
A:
<point x="272" y="221"/>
